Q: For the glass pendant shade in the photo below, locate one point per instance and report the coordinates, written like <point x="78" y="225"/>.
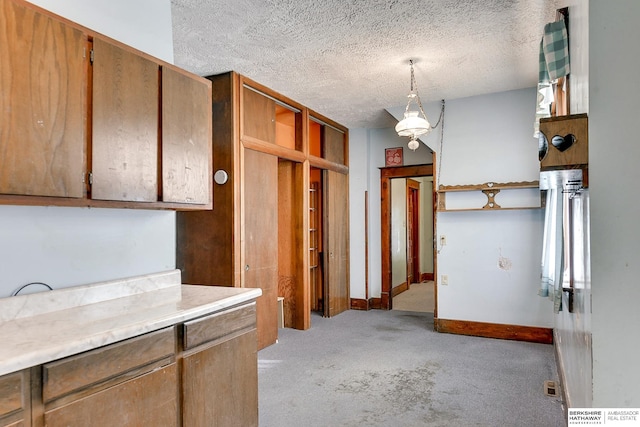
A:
<point x="413" y="125"/>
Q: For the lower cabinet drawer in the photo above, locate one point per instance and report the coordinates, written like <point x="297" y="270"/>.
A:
<point x="216" y="326"/>
<point x="148" y="400"/>
<point x="84" y="372"/>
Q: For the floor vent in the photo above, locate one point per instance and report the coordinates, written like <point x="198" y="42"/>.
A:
<point x="550" y="388"/>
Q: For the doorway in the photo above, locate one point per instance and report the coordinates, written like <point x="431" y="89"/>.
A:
<point x="402" y="239"/>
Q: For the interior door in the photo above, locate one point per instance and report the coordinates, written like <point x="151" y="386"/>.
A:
<point x="413" y="233"/>
<point x="260" y="239"/>
<point x="336" y="234"/>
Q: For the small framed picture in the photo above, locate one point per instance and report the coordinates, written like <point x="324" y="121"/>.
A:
<point x="393" y="156"/>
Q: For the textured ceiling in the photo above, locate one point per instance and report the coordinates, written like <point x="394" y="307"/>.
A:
<point x="349" y="59"/>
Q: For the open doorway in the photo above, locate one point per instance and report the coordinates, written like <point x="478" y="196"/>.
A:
<point x="408" y="258"/>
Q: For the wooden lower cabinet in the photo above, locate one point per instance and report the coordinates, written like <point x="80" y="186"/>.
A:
<point x="220" y="370"/>
<point x="200" y="373"/>
<point x="220" y="384"/>
<point x="15" y="403"/>
<point x="147" y="400"/>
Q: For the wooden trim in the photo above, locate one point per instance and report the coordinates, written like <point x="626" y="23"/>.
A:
<point x="397" y="290"/>
<point x="320" y="163"/>
<point x="490" y="186"/>
<point x="359" y="304"/>
<point x="385" y="212"/>
<point x="375" y="303"/>
<point x="496" y="330"/>
<point x="406" y="171"/>
<point x="264" y="90"/>
<point x="425" y="277"/>
<point x="366" y="304"/>
<point x="256" y="144"/>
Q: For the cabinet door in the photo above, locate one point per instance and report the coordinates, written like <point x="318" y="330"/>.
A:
<point x="147" y="400"/>
<point x="220" y="384"/>
<point x="125" y="125"/>
<point x="15" y="403"/>
<point x="43" y="104"/>
<point x="186" y="139"/>
<point x="258" y="116"/>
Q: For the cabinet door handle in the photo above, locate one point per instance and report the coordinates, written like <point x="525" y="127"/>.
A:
<point x="246" y="267"/>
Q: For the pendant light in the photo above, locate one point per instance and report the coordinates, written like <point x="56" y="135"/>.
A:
<point x="414" y="123"/>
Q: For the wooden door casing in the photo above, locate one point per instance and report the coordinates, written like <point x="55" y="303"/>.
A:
<point x="125" y="125"/>
<point x="260" y="239"/>
<point x="336" y="235"/>
<point x="43" y="99"/>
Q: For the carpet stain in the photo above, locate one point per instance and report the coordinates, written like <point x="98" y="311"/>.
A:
<point x="395" y="393"/>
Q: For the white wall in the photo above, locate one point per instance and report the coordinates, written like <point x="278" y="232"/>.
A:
<point x="358" y="186"/>
<point x="71" y="246"/>
<point x="492" y="258"/>
<point x="614" y="151"/>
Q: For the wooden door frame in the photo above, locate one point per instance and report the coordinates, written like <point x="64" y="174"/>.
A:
<point x="386" y="174"/>
<point x="413" y="224"/>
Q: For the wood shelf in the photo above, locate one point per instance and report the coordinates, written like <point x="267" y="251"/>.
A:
<point x="490" y="190"/>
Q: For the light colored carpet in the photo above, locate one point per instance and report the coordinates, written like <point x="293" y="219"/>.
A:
<point x="419" y="298"/>
<point x="389" y="368"/>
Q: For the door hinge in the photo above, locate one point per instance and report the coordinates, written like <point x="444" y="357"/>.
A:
<point x="91" y="56"/>
<point x="90" y="176"/>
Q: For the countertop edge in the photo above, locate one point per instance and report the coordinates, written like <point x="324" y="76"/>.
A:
<point x="45" y="353"/>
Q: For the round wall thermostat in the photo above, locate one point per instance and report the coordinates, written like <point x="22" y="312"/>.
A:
<point x="220" y="177"/>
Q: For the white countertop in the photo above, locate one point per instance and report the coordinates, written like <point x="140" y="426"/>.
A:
<point x="49" y="331"/>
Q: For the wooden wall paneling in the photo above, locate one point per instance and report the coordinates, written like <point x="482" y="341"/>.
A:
<point x="293" y="257"/>
<point x="43" y="99"/>
<point x="258" y="116"/>
<point x="208" y="243"/>
<point x="336" y="232"/>
<point x="186" y="138"/>
<point x="287" y="252"/>
<point x="260" y="238"/>
<point x="125" y="125"/>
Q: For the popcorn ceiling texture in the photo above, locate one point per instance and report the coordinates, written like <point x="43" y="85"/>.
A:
<point x="349" y="59"/>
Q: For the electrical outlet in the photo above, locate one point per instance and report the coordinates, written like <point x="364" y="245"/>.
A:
<point x="443" y="240"/>
<point x="444" y="279"/>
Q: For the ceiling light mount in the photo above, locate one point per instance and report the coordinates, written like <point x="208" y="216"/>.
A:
<point x="415" y="123"/>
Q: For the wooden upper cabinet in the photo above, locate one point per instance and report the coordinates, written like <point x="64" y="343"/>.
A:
<point x="328" y="142"/>
<point x="125" y="125"/>
<point x="186" y="138"/>
<point x="258" y="116"/>
<point x="334" y="145"/>
<point x="43" y="103"/>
